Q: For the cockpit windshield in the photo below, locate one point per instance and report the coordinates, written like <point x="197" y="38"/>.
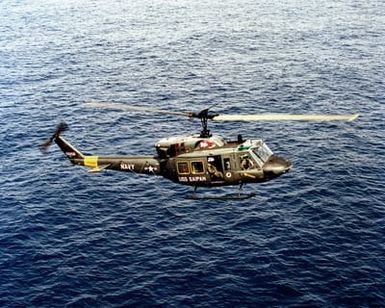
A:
<point x="262" y="152"/>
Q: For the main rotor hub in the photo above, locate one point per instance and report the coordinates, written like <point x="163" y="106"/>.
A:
<point x="204" y="116"/>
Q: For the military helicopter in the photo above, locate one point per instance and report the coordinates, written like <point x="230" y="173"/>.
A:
<point x="198" y="160"/>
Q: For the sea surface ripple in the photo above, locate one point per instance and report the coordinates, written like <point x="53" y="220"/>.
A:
<point x="311" y="238"/>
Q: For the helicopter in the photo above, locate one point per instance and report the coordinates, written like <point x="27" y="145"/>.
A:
<point x="197" y="160"/>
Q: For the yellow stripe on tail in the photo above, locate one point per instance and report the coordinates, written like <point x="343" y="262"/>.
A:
<point x="91" y="161"/>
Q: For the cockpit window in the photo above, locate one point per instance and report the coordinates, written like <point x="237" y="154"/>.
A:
<point x="262" y="152"/>
<point x="247" y="162"/>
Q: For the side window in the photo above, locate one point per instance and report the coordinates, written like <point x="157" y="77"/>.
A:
<point x="197" y="167"/>
<point x="183" y="168"/>
<point x="227" y="164"/>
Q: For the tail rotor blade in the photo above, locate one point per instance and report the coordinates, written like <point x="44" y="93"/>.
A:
<point x="62" y="126"/>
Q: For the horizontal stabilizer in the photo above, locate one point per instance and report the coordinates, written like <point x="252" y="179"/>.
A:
<point x="98" y="169"/>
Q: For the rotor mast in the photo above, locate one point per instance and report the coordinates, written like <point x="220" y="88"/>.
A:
<point x="204" y="116"/>
<point x="205" y="133"/>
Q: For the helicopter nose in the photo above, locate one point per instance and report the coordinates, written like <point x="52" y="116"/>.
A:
<point x="277" y="165"/>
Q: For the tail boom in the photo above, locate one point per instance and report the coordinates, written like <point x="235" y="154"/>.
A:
<point x="135" y="164"/>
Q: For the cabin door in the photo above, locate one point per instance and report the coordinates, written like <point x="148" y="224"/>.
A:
<point x="215" y="168"/>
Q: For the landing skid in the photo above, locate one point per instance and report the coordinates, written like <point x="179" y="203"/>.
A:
<point x="233" y="196"/>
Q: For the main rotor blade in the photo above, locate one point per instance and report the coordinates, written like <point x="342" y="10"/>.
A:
<point x="120" y="106"/>
<point x="285" y="117"/>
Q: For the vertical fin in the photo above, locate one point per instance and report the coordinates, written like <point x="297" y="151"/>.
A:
<point x="73" y="154"/>
<point x="69" y="150"/>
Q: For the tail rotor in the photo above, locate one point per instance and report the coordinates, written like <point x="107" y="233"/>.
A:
<point x="62" y="127"/>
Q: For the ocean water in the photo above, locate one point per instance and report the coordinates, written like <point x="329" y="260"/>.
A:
<point x="313" y="237"/>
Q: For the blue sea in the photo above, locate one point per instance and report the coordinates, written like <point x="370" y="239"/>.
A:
<point x="311" y="238"/>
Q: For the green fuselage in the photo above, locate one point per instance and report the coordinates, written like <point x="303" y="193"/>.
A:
<point x="232" y="164"/>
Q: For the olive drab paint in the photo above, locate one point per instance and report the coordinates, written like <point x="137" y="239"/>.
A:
<point x="192" y="160"/>
<point x="196" y="160"/>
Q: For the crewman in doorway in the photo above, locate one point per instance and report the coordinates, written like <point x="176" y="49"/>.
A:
<point x="214" y="173"/>
<point x="246" y="162"/>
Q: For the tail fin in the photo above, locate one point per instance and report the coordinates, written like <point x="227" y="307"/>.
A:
<point x="69" y="150"/>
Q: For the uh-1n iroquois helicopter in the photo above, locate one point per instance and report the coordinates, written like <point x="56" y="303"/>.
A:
<point x="200" y="160"/>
